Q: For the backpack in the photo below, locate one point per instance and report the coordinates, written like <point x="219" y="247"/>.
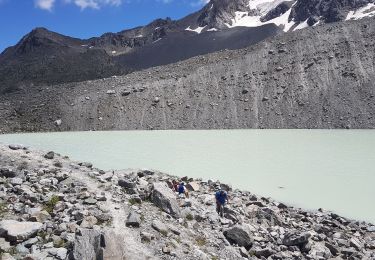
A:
<point x="181" y="189"/>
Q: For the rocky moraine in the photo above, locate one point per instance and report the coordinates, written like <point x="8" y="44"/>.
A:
<point x="54" y="208"/>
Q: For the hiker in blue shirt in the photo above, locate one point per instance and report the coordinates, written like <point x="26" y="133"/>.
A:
<point x="221" y="198"/>
<point x="182" y="190"/>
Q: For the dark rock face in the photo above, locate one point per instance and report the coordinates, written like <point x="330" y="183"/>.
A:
<point x="328" y="10"/>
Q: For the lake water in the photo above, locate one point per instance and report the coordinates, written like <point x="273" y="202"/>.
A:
<point x="330" y="169"/>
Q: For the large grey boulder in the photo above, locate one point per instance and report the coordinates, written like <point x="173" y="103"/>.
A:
<point x="163" y="197"/>
<point x="88" y="245"/>
<point x="239" y="235"/>
<point x="19" y="231"/>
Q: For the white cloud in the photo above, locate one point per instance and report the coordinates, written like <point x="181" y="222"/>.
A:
<point x="94" y="4"/>
<point x="97" y="4"/>
<point x="45" y="4"/>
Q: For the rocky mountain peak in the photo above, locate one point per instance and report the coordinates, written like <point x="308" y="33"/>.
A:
<point x="43" y="38"/>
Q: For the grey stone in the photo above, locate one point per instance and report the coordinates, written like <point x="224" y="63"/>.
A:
<point x="90" y="201"/>
<point x="4" y="245"/>
<point x="193" y="186"/>
<point x="166" y="249"/>
<point x="333" y="249"/>
<point x="7" y="173"/>
<point x="164" y="198"/>
<point x="86" y="164"/>
<point x="354" y="242"/>
<point x="371" y="228"/>
<point x="239" y="235"/>
<point x="16" y="181"/>
<point x="15" y="146"/>
<point x="89" y="222"/>
<point x="133" y="219"/>
<point x="88" y="245"/>
<point x="264" y="252"/>
<point x="22" y="250"/>
<point x="296" y="239"/>
<point x="28" y="243"/>
<point x="50" y="155"/>
<point x="15" y="230"/>
<point x="320" y="251"/>
<point x="7" y="256"/>
<point x="127" y="184"/>
<point x="59" y="253"/>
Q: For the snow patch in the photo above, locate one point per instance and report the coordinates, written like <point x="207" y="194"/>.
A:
<point x="245" y="20"/>
<point x="197" y="30"/>
<point x="366" y="11"/>
<point x="212" y="30"/>
<point x="301" y="26"/>
<point x="156" y="40"/>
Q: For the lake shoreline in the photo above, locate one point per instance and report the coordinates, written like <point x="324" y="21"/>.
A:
<point x="315" y="167"/>
<point x="139" y="208"/>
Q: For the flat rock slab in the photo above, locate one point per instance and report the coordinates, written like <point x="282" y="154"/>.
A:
<point x="18" y="231"/>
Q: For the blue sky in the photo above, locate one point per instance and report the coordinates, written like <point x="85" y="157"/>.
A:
<point x="84" y="18"/>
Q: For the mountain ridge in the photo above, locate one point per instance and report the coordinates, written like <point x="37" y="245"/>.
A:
<point x="45" y="57"/>
<point x="317" y="78"/>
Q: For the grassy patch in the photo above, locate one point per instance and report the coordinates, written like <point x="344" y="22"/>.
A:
<point x="3" y="209"/>
<point x="133" y="201"/>
<point x="201" y="241"/>
<point x="164" y="232"/>
<point x="60" y="244"/>
<point x="50" y="205"/>
<point x="189" y="217"/>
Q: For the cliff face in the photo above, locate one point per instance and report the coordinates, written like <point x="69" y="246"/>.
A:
<point x="320" y="77"/>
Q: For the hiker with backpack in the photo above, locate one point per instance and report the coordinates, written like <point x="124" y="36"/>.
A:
<point x="182" y="190"/>
<point x="221" y="198"/>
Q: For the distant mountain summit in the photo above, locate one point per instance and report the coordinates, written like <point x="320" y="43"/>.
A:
<point x="289" y="15"/>
<point x="45" y="57"/>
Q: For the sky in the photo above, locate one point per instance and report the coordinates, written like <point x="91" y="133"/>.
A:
<point x="84" y="18"/>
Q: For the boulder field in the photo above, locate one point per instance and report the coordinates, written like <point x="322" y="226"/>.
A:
<point x="52" y="207"/>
